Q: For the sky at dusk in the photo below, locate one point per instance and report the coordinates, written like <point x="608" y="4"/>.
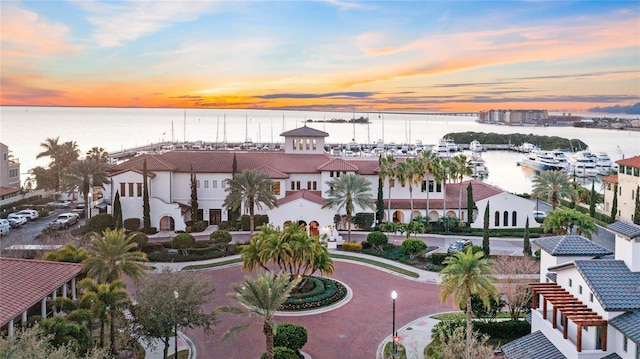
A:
<point x="427" y="56"/>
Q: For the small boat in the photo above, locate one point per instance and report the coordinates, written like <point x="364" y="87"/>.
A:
<point x="527" y="147"/>
<point x="475" y="146"/>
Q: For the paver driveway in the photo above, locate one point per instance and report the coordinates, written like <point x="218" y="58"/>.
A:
<point x="352" y="331"/>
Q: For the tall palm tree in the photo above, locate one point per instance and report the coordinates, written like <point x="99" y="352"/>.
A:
<point x="552" y="185"/>
<point x="250" y="189"/>
<point x="444" y="173"/>
<point x="262" y="297"/>
<point x="467" y="273"/>
<point x="105" y="300"/>
<point x="462" y="167"/>
<point x="111" y="254"/>
<point x="387" y="170"/>
<point x="429" y="165"/>
<point x="415" y="174"/>
<point x="52" y="149"/>
<point x="98" y="154"/>
<point x="85" y="175"/>
<point x="349" y="191"/>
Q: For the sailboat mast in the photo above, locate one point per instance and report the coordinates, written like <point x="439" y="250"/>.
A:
<point x="184" y="127"/>
<point x="225" y="128"/>
<point x="217" y="129"/>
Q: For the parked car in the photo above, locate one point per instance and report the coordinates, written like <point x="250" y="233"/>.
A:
<point x="79" y="210"/>
<point x="59" y="204"/>
<point x="29" y="213"/>
<point x="539" y="214"/>
<point x="13" y="223"/>
<point x="5" y="227"/>
<point x="20" y="219"/>
<point x="64" y="220"/>
<point x="458" y="246"/>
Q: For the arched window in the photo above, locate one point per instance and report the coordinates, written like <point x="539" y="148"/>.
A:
<point x="505" y="220"/>
<point x="514" y="218"/>
<point x="497" y="219"/>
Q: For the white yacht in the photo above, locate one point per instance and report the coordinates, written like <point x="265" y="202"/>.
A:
<point x="451" y="146"/>
<point x="560" y="157"/>
<point x="604" y="164"/>
<point x="583" y="164"/>
<point x="541" y="160"/>
<point x="480" y="169"/>
<point x="441" y="149"/>
<point x="475" y="146"/>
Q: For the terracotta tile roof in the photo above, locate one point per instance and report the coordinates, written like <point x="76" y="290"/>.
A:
<point x="8" y="190"/>
<point x="337" y="164"/>
<point x="610" y="179"/>
<point x="480" y="192"/>
<point x="272" y="172"/>
<point x="366" y="166"/>
<point x="24" y="282"/>
<point x="313" y="196"/>
<point x="631" y="161"/>
<point x="304" y="131"/>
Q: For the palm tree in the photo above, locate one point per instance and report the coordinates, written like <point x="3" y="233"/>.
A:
<point x="415" y="174"/>
<point x="52" y="150"/>
<point x="70" y="253"/>
<point x="387" y="170"/>
<point x="563" y="222"/>
<point x="444" y="174"/>
<point x="349" y="191"/>
<point x="552" y="185"/>
<point x="98" y="154"/>
<point x="467" y="273"/>
<point x="111" y="255"/>
<point x="262" y="297"/>
<point x="461" y="167"/>
<point x="85" y="175"/>
<point x="429" y="165"/>
<point x="105" y="300"/>
<point x="250" y="189"/>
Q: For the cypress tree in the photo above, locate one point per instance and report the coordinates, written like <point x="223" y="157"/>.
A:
<point x="614" y="206"/>
<point x="592" y="201"/>
<point x="636" y="212"/>
<point x="194" y="197"/>
<point x="526" y="249"/>
<point x="233" y="215"/>
<point x="146" y="209"/>
<point x="485" y="232"/>
<point x="380" y="202"/>
<point x="470" y="203"/>
<point x="117" y="211"/>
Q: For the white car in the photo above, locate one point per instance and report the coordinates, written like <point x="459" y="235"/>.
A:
<point x="539" y="214"/>
<point x="29" y="213"/>
<point x="59" y="204"/>
<point x="5" y="227"/>
<point x="18" y="218"/>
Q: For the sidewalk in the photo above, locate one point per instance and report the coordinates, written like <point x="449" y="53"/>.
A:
<point x="414" y="337"/>
<point x="156" y="351"/>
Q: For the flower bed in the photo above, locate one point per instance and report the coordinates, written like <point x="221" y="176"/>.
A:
<point x="333" y="292"/>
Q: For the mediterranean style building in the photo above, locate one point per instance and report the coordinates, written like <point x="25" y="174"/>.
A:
<point x="587" y="303"/>
<point x="626" y="182"/>
<point x="9" y="174"/>
<point x="300" y="174"/>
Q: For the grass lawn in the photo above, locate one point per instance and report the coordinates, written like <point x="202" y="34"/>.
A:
<point x="377" y="264"/>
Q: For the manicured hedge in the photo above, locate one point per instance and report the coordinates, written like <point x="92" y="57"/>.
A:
<point x="334" y="292"/>
<point x="503" y="330"/>
<point x="437" y="258"/>
<point x="352" y="247"/>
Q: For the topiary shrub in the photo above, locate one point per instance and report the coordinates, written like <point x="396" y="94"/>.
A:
<point x="100" y="222"/>
<point x="131" y="224"/>
<point x="351" y="247"/>
<point x="438" y="258"/>
<point x="291" y="336"/>
<point x="139" y="238"/>
<point x="199" y="226"/>
<point x="183" y="242"/>
<point x="413" y="247"/>
<point x="221" y="239"/>
<point x="282" y="353"/>
<point x="378" y="240"/>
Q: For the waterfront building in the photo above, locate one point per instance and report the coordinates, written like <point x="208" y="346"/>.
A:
<point x="9" y="174"/>
<point x="513" y="117"/>
<point x="626" y="182"/>
<point x="300" y="174"/>
<point x="587" y="303"/>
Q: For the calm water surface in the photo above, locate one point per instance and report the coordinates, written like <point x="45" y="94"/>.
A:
<point x="24" y="128"/>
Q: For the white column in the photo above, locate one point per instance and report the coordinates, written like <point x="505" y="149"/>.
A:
<point x="73" y="289"/>
<point x="24" y="319"/>
<point x="43" y="308"/>
<point x="11" y="328"/>
<point x="64" y="290"/>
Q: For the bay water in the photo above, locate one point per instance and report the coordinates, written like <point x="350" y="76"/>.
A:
<point x="114" y="129"/>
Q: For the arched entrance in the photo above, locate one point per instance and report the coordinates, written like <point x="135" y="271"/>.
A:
<point x="314" y="228"/>
<point x="167" y="223"/>
<point x="303" y="225"/>
<point x="398" y="217"/>
<point x="451" y="214"/>
<point x="434" y="215"/>
<point x="415" y="214"/>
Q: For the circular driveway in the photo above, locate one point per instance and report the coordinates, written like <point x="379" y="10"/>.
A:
<point x="352" y="331"/>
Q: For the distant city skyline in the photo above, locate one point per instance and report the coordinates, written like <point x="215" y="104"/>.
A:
<point x="426" y="56"/>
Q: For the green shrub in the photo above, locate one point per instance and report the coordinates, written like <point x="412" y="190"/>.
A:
<point x="291" y="336"/>
<point x="199" y="226"/>
<point x="183" y="242"/>
<point x="100" y="222"/>
<point x="140" y="238"/>
<point x="282" y="353"/>
<point x="364" y="220"/>
<point x="259" y="220"/>
<point x="151" y="247"/>
<point x="505" y="330"/>
<point x="377" y="239"/>
<point x="352" y="247"/>
<point x="221" y="239"/>
<point x="413" y="247"/>
<point x="131" y="224"/>
<point x="438" y="258"/>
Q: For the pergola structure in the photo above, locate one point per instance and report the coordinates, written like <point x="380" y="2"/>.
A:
<point x="571" y="308"/>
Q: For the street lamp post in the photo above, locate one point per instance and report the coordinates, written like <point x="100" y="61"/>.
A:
<point x="394" y="295"/>
<point x="175" y="341"/>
